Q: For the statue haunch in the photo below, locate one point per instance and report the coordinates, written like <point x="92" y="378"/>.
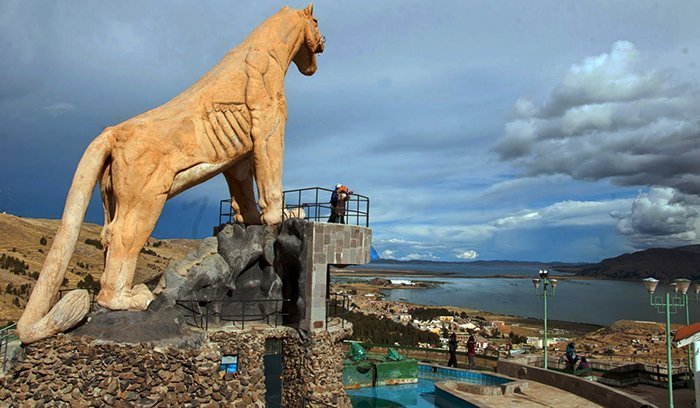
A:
<point x="231" y="121"/>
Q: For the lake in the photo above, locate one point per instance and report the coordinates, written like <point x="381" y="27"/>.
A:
<point x="577" y="300"/>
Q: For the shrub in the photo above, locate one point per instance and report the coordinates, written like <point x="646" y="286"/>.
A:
<point x="94" y="242"/>
<point x="89" y="283"/>
<point x="148" y="251"/>
<point x="43" y="241"/>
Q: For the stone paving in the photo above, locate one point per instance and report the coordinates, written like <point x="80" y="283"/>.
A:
<point x="537" y="395"/>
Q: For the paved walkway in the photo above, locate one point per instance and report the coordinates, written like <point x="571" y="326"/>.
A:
<point x="682" y="397"/>
<point x="537" y="395"/>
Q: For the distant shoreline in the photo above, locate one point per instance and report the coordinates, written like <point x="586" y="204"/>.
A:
<point x="405" y="273"/>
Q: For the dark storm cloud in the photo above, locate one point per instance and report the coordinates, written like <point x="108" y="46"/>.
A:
<point x="407" y="102"/>
<point x="610" y="118"/>
<point x="661" y="217"/>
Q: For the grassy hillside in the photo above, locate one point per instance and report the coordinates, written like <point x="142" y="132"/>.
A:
<point x="661" y="263"/>
<point x="24" y="243"/>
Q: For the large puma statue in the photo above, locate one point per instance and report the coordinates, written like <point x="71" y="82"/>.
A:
<point x="231" y="121"/>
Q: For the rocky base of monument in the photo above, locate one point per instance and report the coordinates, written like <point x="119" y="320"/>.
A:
<point x="71" y="371"/>
<point x="251" y="273"/>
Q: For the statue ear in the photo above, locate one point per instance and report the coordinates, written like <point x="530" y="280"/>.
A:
<point x="309" y="10"/>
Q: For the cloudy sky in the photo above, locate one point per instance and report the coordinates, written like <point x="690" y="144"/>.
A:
<point x="539" y="130"/>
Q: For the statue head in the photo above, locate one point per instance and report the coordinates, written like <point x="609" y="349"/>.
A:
<point x="312" y="44"/>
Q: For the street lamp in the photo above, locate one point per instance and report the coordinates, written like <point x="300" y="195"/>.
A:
<point x="668" y="304"/>
<point x="544" y="294"/>
<point x="684" y="285"/>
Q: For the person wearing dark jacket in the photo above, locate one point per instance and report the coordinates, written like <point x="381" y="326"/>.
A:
<point x="339" y="197"/>
<point x="452" y="346"/>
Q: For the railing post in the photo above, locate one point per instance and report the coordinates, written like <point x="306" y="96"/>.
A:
<point x="367" y="215"/>
<point x="317" y="215"/>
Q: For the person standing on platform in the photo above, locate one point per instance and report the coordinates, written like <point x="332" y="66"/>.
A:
<point x="339" y="198"/>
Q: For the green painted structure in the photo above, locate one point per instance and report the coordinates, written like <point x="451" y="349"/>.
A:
<point x="362" y="369"/>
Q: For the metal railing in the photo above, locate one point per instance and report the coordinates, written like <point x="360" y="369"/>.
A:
<point x="226" y="212"/>
<point x="7" y="334"/>
<point x="434" y="355"/>
<point x="202" y="310"/>
<point x="337" y="307"/>
<point x="315" y="201"/>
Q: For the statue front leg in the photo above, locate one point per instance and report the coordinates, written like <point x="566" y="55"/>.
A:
<point x="268" y="155"/>
<point x="239" y="178"/>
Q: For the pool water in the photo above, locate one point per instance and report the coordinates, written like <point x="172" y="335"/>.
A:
<point x="419" y="395"/>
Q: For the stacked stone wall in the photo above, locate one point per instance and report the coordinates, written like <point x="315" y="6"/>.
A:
<point x="67" y="371"/>
<point x="315" y="370"/>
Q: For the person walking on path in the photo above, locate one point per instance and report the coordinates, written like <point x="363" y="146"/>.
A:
<point x="452" y="346"/>
<point x="471" y="352"/>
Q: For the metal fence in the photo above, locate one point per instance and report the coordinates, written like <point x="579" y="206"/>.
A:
<point x="201" y="311"/>
<point x="7" y="334"/>
<point x="434" y="355"/>
<point x="620" y="373"/>
<point x="315" y="201"/>
<point x="337" y="307"/>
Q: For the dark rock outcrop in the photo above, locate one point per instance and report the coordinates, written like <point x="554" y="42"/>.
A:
<point x="242" y="273"/>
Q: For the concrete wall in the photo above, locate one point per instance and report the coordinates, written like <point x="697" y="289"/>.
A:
<point x="592" y="391"/>
<point x="329" y="244"/>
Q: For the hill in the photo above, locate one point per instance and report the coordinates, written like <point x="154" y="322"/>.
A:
<point x="661" y="263"/>
<point x="24" y="243"/>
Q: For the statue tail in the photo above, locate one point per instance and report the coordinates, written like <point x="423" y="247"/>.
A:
<point x="37" y="322"/>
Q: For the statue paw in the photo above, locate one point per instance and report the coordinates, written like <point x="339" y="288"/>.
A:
<point x="141" y="297"/>
<point x="271" y="217"/>
<point x="136" y="299"/>
<point x="238" y="219"/>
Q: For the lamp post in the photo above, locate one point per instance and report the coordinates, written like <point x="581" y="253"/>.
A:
<point x="687" y="299"/>
<point x="668" y="304"/>
<point x="544" y="294"/>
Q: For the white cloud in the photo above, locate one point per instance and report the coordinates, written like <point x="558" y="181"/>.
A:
<point x="59" y="108"/>
<point x="468" y="254"/>
<point x="564" y="213"/>
<point x="387" y="254"/>
<point x="611" y="118"/>
<point x="661" y="217"/>
<point x="427" y="256"/>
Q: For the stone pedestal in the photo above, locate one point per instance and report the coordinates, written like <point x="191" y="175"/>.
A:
<point x="329" y="244"/>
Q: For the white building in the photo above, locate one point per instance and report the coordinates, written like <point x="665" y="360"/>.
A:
<point x="401" y="282"/>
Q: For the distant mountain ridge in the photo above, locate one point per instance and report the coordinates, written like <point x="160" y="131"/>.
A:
<point x="661" y="263"/>
<point x="553" y="265"/>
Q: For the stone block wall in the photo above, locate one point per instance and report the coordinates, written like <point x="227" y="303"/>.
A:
<point x="67" y="371"/>
<point x="329" y="244"/>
